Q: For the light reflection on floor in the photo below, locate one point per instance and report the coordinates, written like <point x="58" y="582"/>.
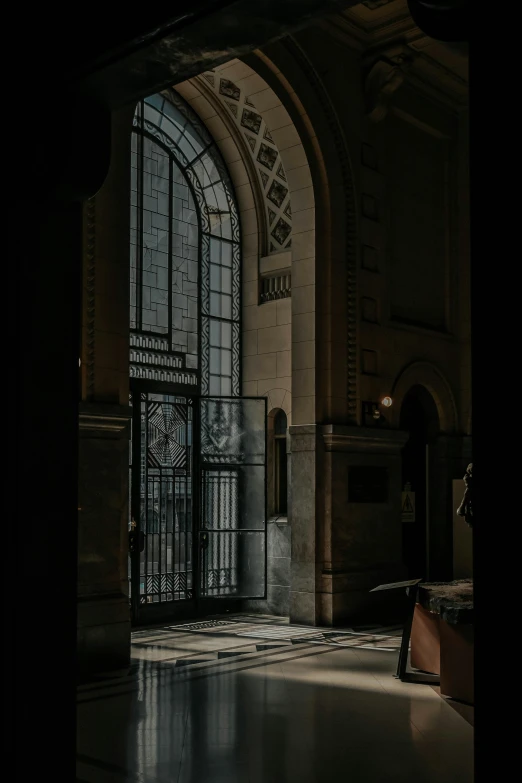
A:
<point x="253" y="703"/>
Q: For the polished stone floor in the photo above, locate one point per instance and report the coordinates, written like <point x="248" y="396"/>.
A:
<point x="249" y="700"/>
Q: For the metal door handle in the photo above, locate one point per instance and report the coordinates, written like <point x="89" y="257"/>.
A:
<point x="136" y="541"/>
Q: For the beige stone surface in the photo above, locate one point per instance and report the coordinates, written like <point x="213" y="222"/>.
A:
<point x="274" y="338"/>
<point x="284" y="311"/>
<point x="284" y="364"/>
<point x="260" y="367"/>
<point x="303" y="355"/>
<point x="250" y="343"/>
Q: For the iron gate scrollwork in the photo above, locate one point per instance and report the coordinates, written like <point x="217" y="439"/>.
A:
<point x="233" y="498"/>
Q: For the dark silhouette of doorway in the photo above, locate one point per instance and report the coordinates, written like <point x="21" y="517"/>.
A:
<point x="419" y="417"/>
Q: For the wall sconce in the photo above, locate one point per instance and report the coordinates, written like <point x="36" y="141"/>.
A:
<point x="372" y="412"/>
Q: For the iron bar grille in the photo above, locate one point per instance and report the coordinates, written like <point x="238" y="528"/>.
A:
<point x="166" y="492"/>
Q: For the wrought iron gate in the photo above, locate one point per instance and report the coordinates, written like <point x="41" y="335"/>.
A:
<point x="162" y="501"/>
<point x="232" y="533"/>
<point x="198" y="502"/>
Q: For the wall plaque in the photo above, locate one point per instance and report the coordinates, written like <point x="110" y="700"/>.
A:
<point x="367" y="484"/>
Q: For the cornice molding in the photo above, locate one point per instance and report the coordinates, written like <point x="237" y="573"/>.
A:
<point x="344" y="438"/>
<point x="101" y="420"/>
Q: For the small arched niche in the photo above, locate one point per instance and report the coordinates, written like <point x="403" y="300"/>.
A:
<point x="277" y="463"/>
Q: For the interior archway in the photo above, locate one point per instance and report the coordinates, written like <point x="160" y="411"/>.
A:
<point x="433" y="380"/>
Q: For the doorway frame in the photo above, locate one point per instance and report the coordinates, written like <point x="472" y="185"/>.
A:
<point x="198" y="606"/>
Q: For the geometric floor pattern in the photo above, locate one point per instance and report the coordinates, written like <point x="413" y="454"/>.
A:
<point x="252" y="699"/>
<point x="255" y="636"/>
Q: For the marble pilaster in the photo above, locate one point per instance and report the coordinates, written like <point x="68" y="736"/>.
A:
<point x="304" y="522"/>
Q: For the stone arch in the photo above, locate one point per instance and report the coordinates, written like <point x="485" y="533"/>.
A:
<point x="279" y="131"/>
<point x="427" y="375"/>
<point x="279" y="399"/>
<point x="238" y="156"/>
<point x="265" y="157"/>
<point x="285" y="89"/>
<point x="287" y="68"/>
<point x="251" y="198"/>
<point x="237" y="159"/>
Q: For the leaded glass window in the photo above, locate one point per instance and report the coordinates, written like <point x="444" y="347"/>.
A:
<point x="185" y="253"/>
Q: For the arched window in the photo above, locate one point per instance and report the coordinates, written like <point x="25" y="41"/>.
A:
<point x="185" y="253"/>
<point x="280" y="463"/>
<point x="197" y="477"/>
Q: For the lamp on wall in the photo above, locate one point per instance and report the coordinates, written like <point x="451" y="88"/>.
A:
<point x="372" y="412"/>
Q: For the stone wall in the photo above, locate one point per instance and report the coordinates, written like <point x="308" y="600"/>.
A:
<point x="279" y="535"/>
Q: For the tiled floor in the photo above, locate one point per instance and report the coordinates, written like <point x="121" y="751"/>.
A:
<point x="252" y="701"/>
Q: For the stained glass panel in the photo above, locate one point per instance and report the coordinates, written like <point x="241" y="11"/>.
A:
<point x="185" y="254"/>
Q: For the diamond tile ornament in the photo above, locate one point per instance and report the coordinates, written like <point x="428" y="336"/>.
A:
<point x="229" y="89"/>
<point x="277" y="193"/>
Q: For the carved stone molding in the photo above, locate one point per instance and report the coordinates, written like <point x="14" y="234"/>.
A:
<point x="384" y="78"/>
<point x="341" y="438"/>
<point x="341" y="147"/>
<point x="90" y="296"/>
<point x="303" y="437"/>
<point x="438" y="70"/>
<point x="98" y="420"/>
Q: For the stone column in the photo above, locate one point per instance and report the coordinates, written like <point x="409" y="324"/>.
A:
<point x="103" y="601"/>
<point x="363" y="528"/>
<point x="341" y="547"/>
<point x="304" y="583"/>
